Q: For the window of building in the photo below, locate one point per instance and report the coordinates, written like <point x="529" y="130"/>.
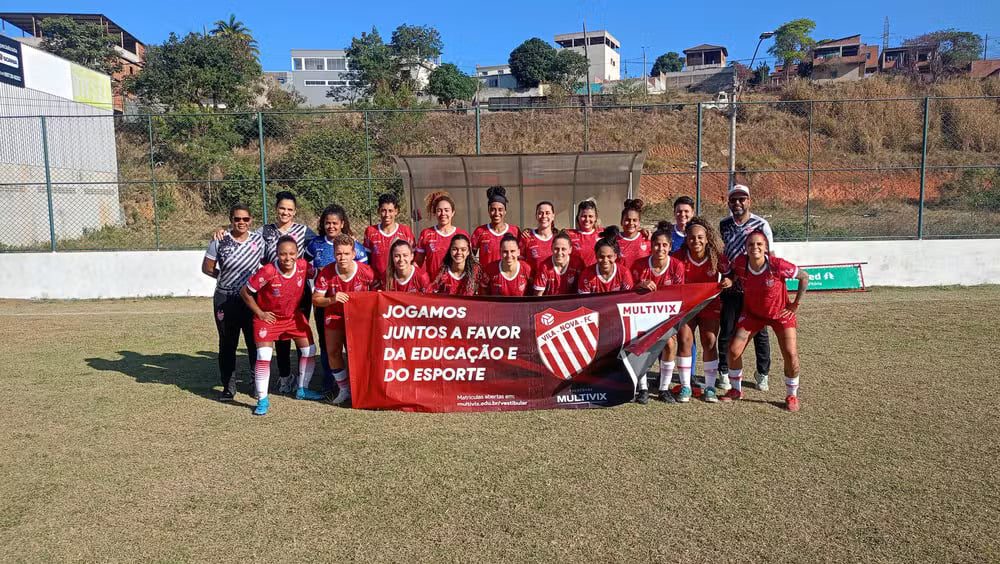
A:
<point x="296" y="63"/>
<point x="336" y="64"/>
<point x="315" y="83"/>
<point x="851" y="51"/>
<point x="493" y="82"/>
<point x="313" y="63"/>
<point x="578" y="42"/>
<point x="596" y="40"/>
<point x="922" y="57"/>
<point x="337" y="82"/>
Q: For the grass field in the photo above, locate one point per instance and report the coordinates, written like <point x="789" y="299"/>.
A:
<point x="111" y="449"/>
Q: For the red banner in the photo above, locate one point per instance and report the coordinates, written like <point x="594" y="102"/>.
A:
<point x="427" y="352"/>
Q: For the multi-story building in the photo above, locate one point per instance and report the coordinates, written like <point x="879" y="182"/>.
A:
<point x="907" y="58"/>
<point x="705" y="56"/>
<point x="842" y="59"/>
<point x="131" y="52"/>
<point x="601" y="48"/>
<point x="496" y="76"/>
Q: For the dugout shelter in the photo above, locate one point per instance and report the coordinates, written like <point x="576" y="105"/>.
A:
<point x="562" y="178"/>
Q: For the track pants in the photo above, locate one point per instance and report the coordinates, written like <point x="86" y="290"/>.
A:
<point x="732" y="306"/>
<point x="232" y="317"/>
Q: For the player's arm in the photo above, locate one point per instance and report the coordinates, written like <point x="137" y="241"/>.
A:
<point x="209" y="262"/>
<point x="803" y="277"/>
<point x="248" y="297"/>
<point x="320" y="298"/>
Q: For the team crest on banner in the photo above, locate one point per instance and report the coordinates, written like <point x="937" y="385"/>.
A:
<point x="637" y="318"/>
<point x="567" y="340"/>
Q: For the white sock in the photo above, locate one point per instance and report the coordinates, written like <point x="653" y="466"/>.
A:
<point x="643" y="383"/>
<point x="736" y="379"/>
<point x="666" y="373"/>
<point x="262" y="371"/>
<point x="307" y="364"/>
<point x="792" y="385"/>
<point x="684" y="364"/>
<point x="711" y="372"/>
<point x="343" y="380"/>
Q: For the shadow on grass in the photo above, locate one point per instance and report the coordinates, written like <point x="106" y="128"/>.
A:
<point x="197" y="373"/>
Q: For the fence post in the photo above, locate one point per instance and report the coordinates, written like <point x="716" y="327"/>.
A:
<point x="809" y="166"/>
<point x="586" y="127"/>
<point x="697" y="167"/>
<point x="368" y="167"/>
<point x="48" y="187"/>
<point x="263" y="175"/>
<point x="152" y="179"/>
<point x="923" y="170"/>
<point x="478" y="132"/>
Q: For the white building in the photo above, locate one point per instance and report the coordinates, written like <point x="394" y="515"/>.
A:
<point x="496" y="76"/>
<point x="602" y="49"/>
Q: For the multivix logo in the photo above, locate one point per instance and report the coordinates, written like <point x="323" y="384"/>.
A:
<point x="639" y="318"/>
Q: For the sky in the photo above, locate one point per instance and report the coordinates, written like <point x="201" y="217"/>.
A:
<point x="484" y="33"/>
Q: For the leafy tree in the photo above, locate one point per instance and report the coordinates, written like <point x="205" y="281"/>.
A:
<point x="376" y="65"/>
<point x="416" y="43"/>
<point x="197" y="70"/>
<point x="531" y="61"/>
<point x="449" y="84"/>
<point x="629" y="92"/>
<point x="372" y="63"/>
<point x="955" y="49"/>
<point x="82" y="43"/>
<point x="239" y="33"/>
<point x="760" y="74"/>
<point x="667" y="62"/>
<point x="568" y="70"/>
<point x="792" y="42"/>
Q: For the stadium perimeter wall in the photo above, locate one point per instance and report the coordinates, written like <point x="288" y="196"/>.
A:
<point x="91" y="275"/>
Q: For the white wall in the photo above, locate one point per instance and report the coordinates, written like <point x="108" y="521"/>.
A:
<point x="178" y="273"/>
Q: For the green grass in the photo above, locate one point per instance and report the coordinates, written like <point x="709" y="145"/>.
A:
<point x="111" y="449"/>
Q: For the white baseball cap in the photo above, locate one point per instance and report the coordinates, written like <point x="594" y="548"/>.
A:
<point x="738" y="188"/>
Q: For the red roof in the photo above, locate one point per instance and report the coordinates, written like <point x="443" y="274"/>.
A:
<point x="985" y="68"/>
<point x="850" y="40"/>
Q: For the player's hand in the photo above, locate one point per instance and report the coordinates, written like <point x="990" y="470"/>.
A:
<point x="726" y="283"/>
<point x="788" y="312"/>
<point x="267" y="317"/>
<point x="646" y="233"/>
<point x="342" y="298"/>
<point x="645" y="285"/>
<point x="219" y="234"/>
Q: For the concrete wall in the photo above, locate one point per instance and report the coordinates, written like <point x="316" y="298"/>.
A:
<point x="178" y="273"/>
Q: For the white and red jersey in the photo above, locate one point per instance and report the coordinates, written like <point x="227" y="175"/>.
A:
<point x="534" y="249"/>
<point x="417" y="281"/>
<point x="329" y="282"/>
<point x="497" y="283"/>
<point x="583" y="244"/>
<point x="764" y="291"/>
<point x="434" y="246"/>
<point x="277" y="292"/>
<point x="634" y="249"/>
<point x="452" y="285"/>
<point x="702" y="272"/>
<point x="672" y="273"/>
<point x="486" y="242"/>
<point x="378" y="243"/>
<point x="551" y="282"/>
<point x="591" y="282"/>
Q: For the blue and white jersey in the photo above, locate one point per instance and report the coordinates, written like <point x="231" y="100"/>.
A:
<point x="676" y="239"/>
<point x="270" y="233"/>
<point x="235" y="261"/>
<point x="319" y="252"/>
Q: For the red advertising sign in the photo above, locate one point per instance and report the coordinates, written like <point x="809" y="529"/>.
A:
<point x="427" y="352"/>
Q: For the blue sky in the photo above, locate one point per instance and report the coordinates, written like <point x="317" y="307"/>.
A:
<point x="485" y="32"/>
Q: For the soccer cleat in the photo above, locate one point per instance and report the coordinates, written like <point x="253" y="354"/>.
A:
<point x="792" y="403"/>
<point x="343" y="396"/>
<point x="226" y="396"/>
<point x="723" y="383"/>
<point x="642" y="398"/>
<point x="665" y="396"/>
<point x="709" y="396"/>
<point x="685" y="395"/>
<point x="307" y="394"/>
<point x="732" y="395"/>
<point x="762" y="382"/>
<point x="262" y="405"/>
<point x="285" y="385"/>
<point x="696" y="391"/>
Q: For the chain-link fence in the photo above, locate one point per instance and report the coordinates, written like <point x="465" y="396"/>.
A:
<point x="818" y="169"/>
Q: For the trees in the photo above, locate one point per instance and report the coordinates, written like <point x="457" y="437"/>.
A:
<point x="670" y="61"/>
<point x="450" y="84"/>
<point x="535" y="61"/>
<point x="83" y="43"/>
<point x="955" y="49"/>
<point x="239" y="33"/>
<point x="792" y="42"/>
<point x="415" y="43"/>
<point x="379" y="66"/>
<point x="760" y="74"/>
<point x="568" y="70"/>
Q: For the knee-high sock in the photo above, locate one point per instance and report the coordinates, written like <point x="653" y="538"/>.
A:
<point x="792" y="385"/>
<point x="262" y="371"/>
<point x="307" y="363"/>
<point x="343" y="379"/>
<point x="666" y="374"/>
<point x="736" y="379"/>
<point x="711" y="372"/>
<point x="684" y="364"/>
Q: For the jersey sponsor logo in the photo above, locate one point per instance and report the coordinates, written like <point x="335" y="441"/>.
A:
<point x="640" y="318"/>
<point x="567" y="340"/>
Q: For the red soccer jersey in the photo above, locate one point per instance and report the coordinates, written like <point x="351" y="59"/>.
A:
<point x="551" y="282"/>
<point x="378" y="244"/>
<point x="534" y="249"/>
<point x="764" y="292"/>
<point x="447" y="283"/>
<point x="699" y="272"/>
<point x="496" y="283"/>
<point x="673" y="273"/>
<point x="418" y="281"/>
<point x="638" y="247"/>
<point x="434" y="246"/>
<point x="329" y="282"/>
<point x="592" y="283"/>
<point x="278" y="293"/>
<point x="583" y="245"/>
<point x="487" y="242"/>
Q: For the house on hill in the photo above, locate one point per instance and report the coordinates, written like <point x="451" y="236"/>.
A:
<point x="914" y="58"/>
<point x="843" y="59"/>
<point x="705" y="56"/>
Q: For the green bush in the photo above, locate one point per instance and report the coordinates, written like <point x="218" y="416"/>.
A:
<point x="975" y="188"/>
<point x="321" y="158"/>
<point x="241" y="186"/>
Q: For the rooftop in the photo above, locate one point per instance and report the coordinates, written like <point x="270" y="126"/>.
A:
<point x="29" y="22"/>
<point x="707" y="47"/>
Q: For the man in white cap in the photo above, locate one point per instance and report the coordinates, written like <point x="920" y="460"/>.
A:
<point x="734" y="231"/>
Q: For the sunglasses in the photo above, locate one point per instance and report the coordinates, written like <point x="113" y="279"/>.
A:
<point x="241" y="219"/>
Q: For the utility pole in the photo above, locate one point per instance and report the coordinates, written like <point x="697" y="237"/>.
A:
<point x="885" y="41"/>
<point x="586" y="54"/>
<point x="732" y="127"/>
<point x="986" y="42"/>
<point x="644" y="75"/>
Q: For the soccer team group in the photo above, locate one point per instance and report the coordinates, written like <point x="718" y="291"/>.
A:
<point x="270" y="280"/>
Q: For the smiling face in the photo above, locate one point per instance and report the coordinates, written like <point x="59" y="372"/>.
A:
<point x="630" y="223"/>
<point x="509" y="252"/>
<point x="756" y="247"/>
<point x="333" y="225"/>
<point x="545" y="215"/>
<point x="387" y="213"/>
<point x="682" y="215"/>
<point x="288" y="253"/>
<point x="343" y="255"/>
<point x="696" y="240"/>
<point x="561" y="250"/>
<point x="459" y="251"/>
<point x="402" y="258"/>
<point x="285" y="210"/>
<point x="739" y="204"/>
<point x="606" y="258"/>
<point x="444" y="212"/>
<point x="240" y="221"/>
<point x="498" y="212"/>
<point x="661" y="247"/>
<point x="586" y="219"/>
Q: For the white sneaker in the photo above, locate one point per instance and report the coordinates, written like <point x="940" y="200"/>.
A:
<point x="343" y="397"/>
<point x="723" y="383"/>
<point x="762" y="382"/>
<point x="285" y="385"/>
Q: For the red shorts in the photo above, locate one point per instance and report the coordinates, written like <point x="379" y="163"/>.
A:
<point x="752" y="324"/>
<point x="334" y="322"/>
<point x="296" y="327"/>
<point x="711" y="312"/>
